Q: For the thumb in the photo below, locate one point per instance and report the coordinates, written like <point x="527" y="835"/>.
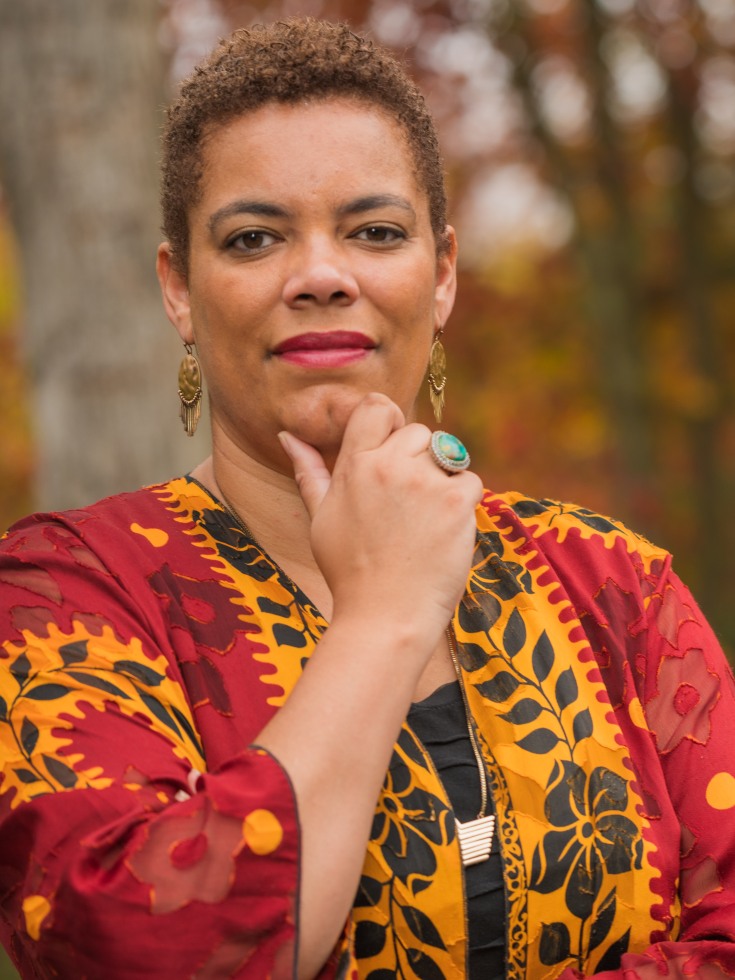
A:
<point x="311" y="475"/>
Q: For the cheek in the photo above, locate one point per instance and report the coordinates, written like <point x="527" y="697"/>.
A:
<point x="418" y="301"/>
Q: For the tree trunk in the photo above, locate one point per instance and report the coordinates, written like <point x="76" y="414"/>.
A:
<point x="81" y="86"/>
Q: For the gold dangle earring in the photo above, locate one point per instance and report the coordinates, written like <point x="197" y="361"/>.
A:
<point x="190" y="391"/>
<point x="437" y="375"/>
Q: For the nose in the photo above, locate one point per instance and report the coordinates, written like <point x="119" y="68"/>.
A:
<point x="320" y="275"/>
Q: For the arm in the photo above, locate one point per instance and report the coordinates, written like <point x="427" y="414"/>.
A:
<point x="378" y="524"/>
<point x="118" y="859"/>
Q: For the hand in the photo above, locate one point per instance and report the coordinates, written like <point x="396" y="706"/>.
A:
<point x="392" y="533"/>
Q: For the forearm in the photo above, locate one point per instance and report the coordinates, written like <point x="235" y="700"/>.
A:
<point x="334" y="737"/>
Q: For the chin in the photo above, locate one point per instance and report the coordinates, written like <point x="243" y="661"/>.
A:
<point x="323" y="425"/>
<point x="322" y="418"/>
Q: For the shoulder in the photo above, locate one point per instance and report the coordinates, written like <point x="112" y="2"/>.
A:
<point x="572" y="541"/>
<point x="561" y="522"/>
<point x="113" y="548"/>
<point x="116" y="565"/>
<point x="127" y="520"/>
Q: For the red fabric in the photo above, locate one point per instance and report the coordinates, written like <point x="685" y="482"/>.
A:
<point x="136" y="879"/>
<point x="125" y="644"/>
<point x="669" y="658"/>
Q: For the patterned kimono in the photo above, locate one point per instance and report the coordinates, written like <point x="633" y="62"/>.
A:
<point x="144" y="643"/>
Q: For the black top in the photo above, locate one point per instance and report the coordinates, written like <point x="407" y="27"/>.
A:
<point x="440" y="722"/>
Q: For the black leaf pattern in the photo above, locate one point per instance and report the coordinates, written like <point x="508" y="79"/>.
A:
<point x="28" y="736"/>
<point x="46" y="692"/>
<point x="528" y="508"/>
<point x="267" y="605"/>
<point x="26" y="776"/>
<point x="595" y="521"/>
<point x="555" y="945"/>
<point x="566" y="692"/>
<point x="582" y="725"/>
<point x="186" y="725"/>
<point x="74" y="653"/>
<point x="422" y="927"/>
<point x="369" y="939"/>
<point x="523" y="712"/>
<point x="471" y="656"/>
<point x="583" y="886"/>
<point x="160" y="712"/>
<point x="540" y="742"/>
<point x="514" y="637"/>
<point x="93" y="680"/>
<point x="423" y="965"/>
<point x="603" y="921"/>
<point x="20" y="669"/>
<point x="500" y="687"/>
<point x="613" y="954"/>
<point x="59" y="770"/>
<point x="369" y="892"/>
<point x="140" y="672"/>
<point x="287" y="636"/>
<point x="542" y="659"/>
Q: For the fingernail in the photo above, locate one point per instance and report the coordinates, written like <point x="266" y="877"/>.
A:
<point x="285" y="440"/>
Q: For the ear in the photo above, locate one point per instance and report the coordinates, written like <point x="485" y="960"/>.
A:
<point x="175" y="292"/>
<point x="446" y="278"/>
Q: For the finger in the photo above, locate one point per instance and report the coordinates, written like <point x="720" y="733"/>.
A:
<point x="311" y="475"/>
<point x="414" y="440"/>
<point x="373" y="419"/>
<point x="411" y="440"/>
<point x="475" y="486"/>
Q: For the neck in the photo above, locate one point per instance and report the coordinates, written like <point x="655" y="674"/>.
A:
<point x="266" y="499"/>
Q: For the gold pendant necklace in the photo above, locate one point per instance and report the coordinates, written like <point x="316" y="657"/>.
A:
<point x="475" y="836"/>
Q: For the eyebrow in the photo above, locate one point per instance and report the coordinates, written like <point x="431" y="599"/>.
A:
<point x="265" y="209"/>
<point x="374" y="201"/>
<point x="262" y="208"/>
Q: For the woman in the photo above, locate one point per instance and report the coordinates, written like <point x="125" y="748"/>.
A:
<point x="207" y="684"/>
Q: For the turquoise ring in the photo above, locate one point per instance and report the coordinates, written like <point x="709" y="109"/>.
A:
<point x="448" y="452"/>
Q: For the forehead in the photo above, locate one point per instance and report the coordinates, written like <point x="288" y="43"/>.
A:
<point x="308" y="152"/>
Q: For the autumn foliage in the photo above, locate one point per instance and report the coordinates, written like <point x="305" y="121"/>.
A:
<point x="590" y="147"/>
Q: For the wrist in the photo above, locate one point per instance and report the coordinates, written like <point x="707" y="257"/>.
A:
<point x="389" y="640"/>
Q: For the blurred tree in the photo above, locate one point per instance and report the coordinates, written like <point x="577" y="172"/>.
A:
<point x="591" y="154"/>
<point x="81" y="87"/>
<point x="648" y="172"/>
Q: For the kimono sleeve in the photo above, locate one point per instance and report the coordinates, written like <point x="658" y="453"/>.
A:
<point x="687" y="694"/>
<point x="121" y="856"/>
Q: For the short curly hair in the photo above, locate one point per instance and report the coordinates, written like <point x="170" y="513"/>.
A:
<point x="288" y="62"/>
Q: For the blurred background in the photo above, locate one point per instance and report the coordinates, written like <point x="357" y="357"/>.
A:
<point x="590" y="148"/>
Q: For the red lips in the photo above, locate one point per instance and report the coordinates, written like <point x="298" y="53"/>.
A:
<point x="331" y="340"/>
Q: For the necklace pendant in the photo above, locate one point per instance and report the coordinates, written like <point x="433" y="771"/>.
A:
<point x="475" y="839"/>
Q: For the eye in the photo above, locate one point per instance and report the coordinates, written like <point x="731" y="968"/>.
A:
<point x="253" y="240"/>
<point x="380" y="235"/>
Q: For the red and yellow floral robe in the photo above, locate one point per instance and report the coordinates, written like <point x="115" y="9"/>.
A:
<point x="144" y="643"/>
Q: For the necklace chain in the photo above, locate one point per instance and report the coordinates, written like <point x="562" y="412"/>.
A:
<point x="235" y="516"/>
<point x="470" y="726"/>
<point x="475" y="836"/>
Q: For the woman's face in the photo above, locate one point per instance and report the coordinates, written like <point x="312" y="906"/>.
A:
<point x="313" y="276"/>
